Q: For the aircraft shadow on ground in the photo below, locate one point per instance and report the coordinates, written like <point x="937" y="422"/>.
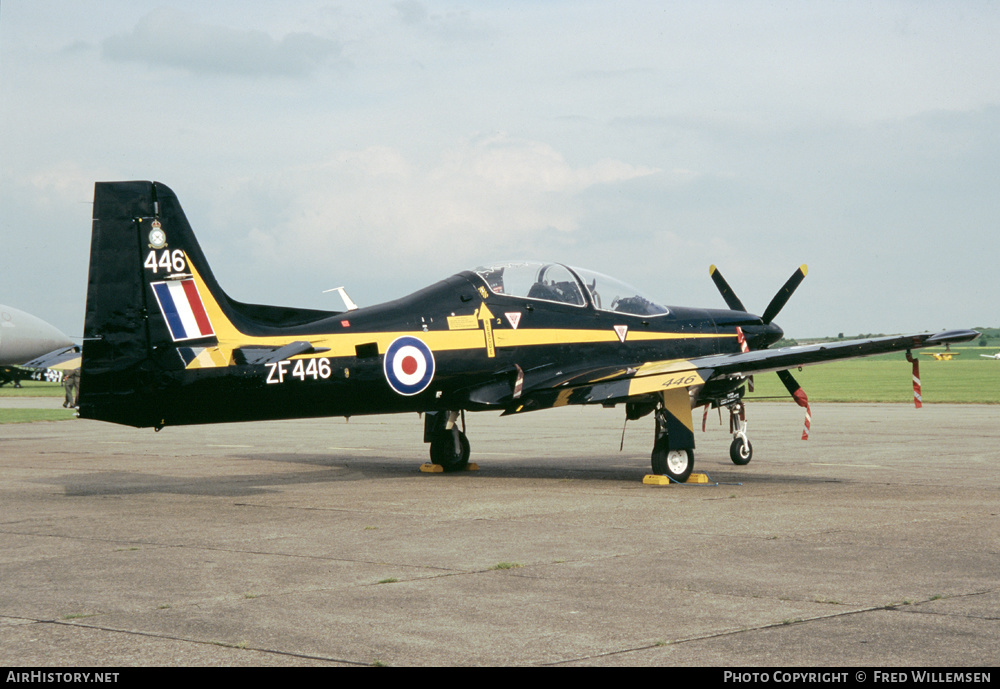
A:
<point x="330" y="468"/>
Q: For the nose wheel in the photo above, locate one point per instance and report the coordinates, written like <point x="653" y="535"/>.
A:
<point x="740" y="450"/>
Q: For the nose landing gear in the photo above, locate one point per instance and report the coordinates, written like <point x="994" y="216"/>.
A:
<point x="740" y="451"/>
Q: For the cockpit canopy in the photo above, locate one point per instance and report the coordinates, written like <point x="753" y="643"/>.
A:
<point x="555" y="282"/>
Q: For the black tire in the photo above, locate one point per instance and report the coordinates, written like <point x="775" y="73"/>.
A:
<point x="443" y="450"/>
<point x="739" y="454"/>
<point x="676" y="464"/>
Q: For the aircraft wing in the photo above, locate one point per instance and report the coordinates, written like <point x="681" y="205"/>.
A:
<point x="52" y="367"/>
<point x="768" y="360"/>
<point x="618" y="384"/>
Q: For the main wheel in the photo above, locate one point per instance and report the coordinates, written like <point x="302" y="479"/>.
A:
<point x="450" y="450"/>
<point x="739" y="453"/>
<point x="677" y="464"/>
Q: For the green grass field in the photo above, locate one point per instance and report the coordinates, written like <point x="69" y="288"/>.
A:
<point x="31" y="415"/>
<point x="33" y="388"/>
<point x="966" y="379"/>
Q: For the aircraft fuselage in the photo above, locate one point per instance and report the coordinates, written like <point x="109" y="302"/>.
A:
<point x="469" y="349"/>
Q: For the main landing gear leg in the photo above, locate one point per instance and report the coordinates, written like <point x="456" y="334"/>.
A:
<point x="449" y="446"/>
<point x="740" y="451"/>
<point x="673" y="448"/>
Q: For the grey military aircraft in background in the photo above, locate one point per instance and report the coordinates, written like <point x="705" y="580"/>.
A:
<point x="25" y="338"/>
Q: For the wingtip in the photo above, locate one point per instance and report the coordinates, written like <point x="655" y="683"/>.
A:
<point x="952" y="337"/>
<point x="805" y="269"/>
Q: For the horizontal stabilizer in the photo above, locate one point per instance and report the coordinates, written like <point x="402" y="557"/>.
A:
<point x="66" y="357"/>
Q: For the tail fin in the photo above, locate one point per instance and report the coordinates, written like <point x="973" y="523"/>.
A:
<point x="153" y="307"/>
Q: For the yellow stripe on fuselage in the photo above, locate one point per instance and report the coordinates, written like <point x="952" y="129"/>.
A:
<point x="344" y="344"/>
<point x="545" y="336"/>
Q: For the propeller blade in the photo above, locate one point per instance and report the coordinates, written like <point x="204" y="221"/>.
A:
<point x="799" y="395"/>
<point x="727" y="292"/>
<point x="791" y="384"/>
<point x="781" y="298"/>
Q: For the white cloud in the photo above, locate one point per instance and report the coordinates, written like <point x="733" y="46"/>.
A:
<point x="168" y="38"/>
<point x="490" y="194"/>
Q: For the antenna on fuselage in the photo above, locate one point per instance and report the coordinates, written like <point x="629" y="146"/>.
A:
<point x="348" y="302"/>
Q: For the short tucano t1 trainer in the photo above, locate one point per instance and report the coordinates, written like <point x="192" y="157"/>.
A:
<point x="165" y="345"/>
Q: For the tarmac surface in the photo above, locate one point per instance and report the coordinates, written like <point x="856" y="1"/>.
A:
<point x="875" y="543"/>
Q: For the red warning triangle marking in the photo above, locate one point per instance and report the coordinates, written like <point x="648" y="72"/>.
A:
<point x="621" y="331"/>
<point x="513" y="317"/>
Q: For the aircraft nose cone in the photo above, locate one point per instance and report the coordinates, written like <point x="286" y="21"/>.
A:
<point x="773" y="333"/>
<point x="763" y="336"/>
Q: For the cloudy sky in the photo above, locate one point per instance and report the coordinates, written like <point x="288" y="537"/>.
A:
<point x="386" y="145"/>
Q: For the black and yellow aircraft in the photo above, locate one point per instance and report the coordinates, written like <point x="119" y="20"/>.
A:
<point x="164" y="344"/>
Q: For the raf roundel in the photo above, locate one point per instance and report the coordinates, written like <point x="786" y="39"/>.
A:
<point x="408" y="365"/>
